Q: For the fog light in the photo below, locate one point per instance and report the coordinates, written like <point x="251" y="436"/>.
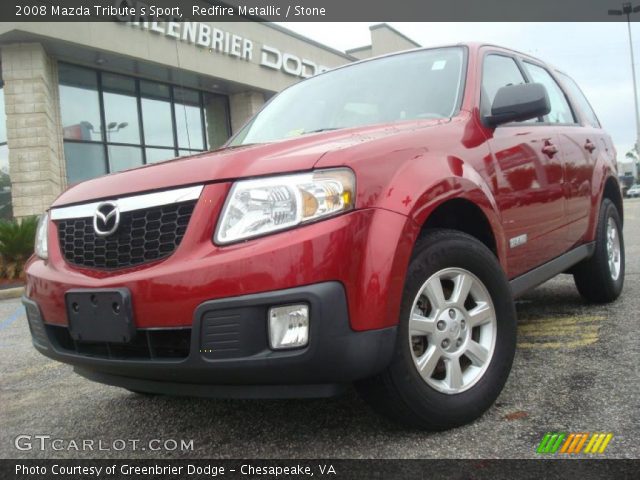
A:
<point x="288" y="326"/>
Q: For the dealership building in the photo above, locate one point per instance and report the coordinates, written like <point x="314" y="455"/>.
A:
<point x="79" y="100"/>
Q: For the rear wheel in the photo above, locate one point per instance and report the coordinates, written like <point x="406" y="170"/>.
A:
<point x="456" y="336"/>
<point x="600" y="278"/>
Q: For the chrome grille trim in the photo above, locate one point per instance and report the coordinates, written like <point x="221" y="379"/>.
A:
<point x="130" y="203"/>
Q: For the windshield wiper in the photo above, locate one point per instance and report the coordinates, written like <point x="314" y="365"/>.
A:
<point x="328" y="129"/>
<point x="232" y="147"/>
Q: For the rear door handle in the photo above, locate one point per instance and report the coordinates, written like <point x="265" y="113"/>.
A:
<point x="549" y="149"/>
<point x="590" y="146"/>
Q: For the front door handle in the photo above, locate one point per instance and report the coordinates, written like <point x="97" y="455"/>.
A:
<point x="590" y="146"/>
<point x="549" y="149"/>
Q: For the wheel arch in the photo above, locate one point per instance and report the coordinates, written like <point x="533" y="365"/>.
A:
<point x="612" y="192"/>
<point x="465" y="216"/>
<point x="468" y="210"/>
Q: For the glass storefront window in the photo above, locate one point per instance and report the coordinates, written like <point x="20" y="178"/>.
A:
<point x="123" y="157"/>
<point x="3" y="118"/>
<point x="120" y="109"/>
<point x="80" y="104"/>
<point x="157" y="121"/>
<point x="114" y="122"/>
<point x="84" y="161"/>
<point x="215" y="120"/>
<point x="188" y="119"/>
<point x="6" y="210"/>
<point x="155" y="155"/>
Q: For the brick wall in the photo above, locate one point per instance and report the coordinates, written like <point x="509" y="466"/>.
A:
<point x="34" y="134"/>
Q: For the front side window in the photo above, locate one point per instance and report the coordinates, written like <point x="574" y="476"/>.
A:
<point x="114" y="122"/>
<point x="426" y="84"/>
<point x="497" y="71"/>
<point x="560" y="109"/>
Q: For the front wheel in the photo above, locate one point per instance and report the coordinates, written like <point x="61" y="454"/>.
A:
<point x="456" y="337"/>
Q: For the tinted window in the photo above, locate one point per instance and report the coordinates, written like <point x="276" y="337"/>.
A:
<point x="129" y="121"/>
<point x="560" y="109"/>
<point x="156" y="114"/>
<point x="497" y="71"/>
<point x="79" y="103"/>
<point x="581" y="100"/>
<point x="3" y="118"/>
<point x="188" y="119"/>
<point x="84" y="161"/>
<point x="215" y="118"/>
<point x="120" y="109"/>
<point x="6" y="211"/>
<point x="155" y="155"/>
<point x="5" y="181"/>
<point x="122" y="157"/>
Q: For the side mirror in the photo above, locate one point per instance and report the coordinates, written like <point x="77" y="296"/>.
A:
<point x="516" y="103"/>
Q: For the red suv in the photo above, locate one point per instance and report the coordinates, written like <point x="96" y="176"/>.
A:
<point x="371" y="225"/>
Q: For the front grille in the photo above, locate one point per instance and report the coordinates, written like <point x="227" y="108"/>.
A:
<point x="143" y="236"/>
<point x="146" y="345"/>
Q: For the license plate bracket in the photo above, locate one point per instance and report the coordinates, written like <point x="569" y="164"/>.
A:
<point x="100" y="315"/>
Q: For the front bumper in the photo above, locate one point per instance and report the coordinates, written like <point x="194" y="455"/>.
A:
<point x="336" y="355"/>
<point x="366" y="250"/>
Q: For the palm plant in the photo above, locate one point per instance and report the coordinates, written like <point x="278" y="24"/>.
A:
<point x="16" y="245"/>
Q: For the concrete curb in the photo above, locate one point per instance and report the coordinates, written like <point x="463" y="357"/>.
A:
<point x="8" y="293"/>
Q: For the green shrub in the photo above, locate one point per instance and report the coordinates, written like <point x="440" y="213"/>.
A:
<point x="16" y="245"/>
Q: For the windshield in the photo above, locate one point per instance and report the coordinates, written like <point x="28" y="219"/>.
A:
<point x="424" y="84"/>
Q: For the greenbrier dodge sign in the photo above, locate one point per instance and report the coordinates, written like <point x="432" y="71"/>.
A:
<point x="204" y="35"/>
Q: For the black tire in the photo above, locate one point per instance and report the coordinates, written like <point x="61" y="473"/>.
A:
<point x="593" y="277"/>
<point x="399" y="391"/>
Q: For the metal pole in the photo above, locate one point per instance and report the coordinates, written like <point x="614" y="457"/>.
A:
<point x="635" y="86"/>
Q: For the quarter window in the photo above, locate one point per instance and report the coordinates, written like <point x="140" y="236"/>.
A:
<point x="560" y="109"/>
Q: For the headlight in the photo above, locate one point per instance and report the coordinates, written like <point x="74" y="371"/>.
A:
<point x="265" y="205"/>
<point x="42" y="233"/>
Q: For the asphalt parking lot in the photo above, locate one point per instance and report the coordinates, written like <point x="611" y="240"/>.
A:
<point x="577" y="369"/>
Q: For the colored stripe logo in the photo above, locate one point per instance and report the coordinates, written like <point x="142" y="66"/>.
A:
<point x="573" y="443"/>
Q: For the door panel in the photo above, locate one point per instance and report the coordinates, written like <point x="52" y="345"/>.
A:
<point x="529" y="193"/>
<point x="579" y="160"/>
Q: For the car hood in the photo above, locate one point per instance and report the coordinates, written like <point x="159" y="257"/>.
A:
<point x="297" y="154"/>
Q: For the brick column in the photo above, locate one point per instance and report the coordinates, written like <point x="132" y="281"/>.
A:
<point x="34" y="133"/>
<point x="243" y="106"/>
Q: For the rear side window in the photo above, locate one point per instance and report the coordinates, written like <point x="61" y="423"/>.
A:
<point x="497" y="71"/>
<point x="581" y="100"/>
<point x="560" y="108"/>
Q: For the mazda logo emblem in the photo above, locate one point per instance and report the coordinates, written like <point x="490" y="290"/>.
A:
<point x="106" y="219"/>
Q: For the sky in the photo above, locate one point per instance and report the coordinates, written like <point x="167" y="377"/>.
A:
<point x="596" y="55"/>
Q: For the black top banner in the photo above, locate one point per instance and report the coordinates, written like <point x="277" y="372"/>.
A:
<point x="319" y="10"/>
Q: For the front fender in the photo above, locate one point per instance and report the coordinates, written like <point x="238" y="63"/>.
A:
<point x="417" y="195"/>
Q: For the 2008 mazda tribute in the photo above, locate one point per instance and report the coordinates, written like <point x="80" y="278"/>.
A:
<point x="371" y="225"/>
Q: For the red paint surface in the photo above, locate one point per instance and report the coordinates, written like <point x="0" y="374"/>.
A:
<point x="404" y="172"/>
